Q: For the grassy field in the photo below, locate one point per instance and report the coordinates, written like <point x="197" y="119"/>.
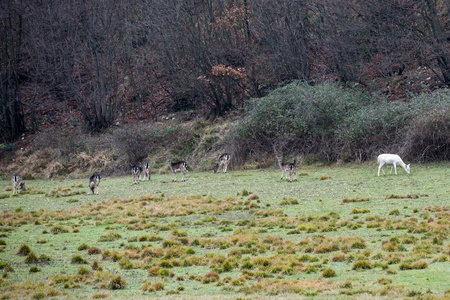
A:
<point x="337" y="232"/>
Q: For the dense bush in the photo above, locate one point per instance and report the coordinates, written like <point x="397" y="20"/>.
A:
<point x="336" y="123"/>
<point x="133" y="144"/>
<point x="429" y="136"/>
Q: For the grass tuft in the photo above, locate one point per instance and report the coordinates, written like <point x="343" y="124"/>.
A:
<point x="24" y="250"/>
<point x="328" y="273"/>
<point x="152" y="286"/>
<point x="100" y="295"/>
<point x="362" y="265"/>
<point x="77" y="259"/>
<point x="408" y="196"/>
<point x="117" y="283"/>
<point x="357" y="199"/>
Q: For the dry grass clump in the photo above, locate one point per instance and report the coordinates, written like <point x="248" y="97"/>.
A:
<point x="393" y="246"/>
<point x="212" y="276"/>
<point x="338" y="257"/>
<point x="394" y="212"/>
<point x="83" y="247"/>
<point x="152" y="286"/>
<point x="325" y="177"/>
<point x="63" y="192"/>
<point x="24" y="250"/>
<point x="357" y="199"/>
<point x="360" y="210"/>
<point x="408" y="196"/>
<point x="288" y="201"/>
<point x="384" y="280"/>
<point x="327" y="245"/>
<point x="110" y="237"/>
<point x="28" y="289"/>
<point x="94" y="250"/>
<point x="6" y="267"/>
<point x="117" y="283"/>
<point x="100" y="295"/>
<point x="77" y="259"/>
<point x="417" y="265"/>
<point x="328" y="273"/>
<point x="59" y="229"/>
<point x="274" y="287"/>
<point x="362" y="265"/>
<point x="34" y="269"/>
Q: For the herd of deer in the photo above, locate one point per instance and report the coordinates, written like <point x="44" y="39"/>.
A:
<point x="223" y="161"/>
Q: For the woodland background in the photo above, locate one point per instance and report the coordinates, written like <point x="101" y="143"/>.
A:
<point x="75" y="70"/>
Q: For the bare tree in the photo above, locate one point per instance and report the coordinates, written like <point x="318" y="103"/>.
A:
<point x="11" y="32"/>
<point x="79" y="52"/>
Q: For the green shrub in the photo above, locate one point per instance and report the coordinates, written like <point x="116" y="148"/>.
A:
<point x="428" y="137"/>
<point x="311" y="118"/>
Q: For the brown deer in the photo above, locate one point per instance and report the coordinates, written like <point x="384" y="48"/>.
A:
<point x="94" y="183"/>
<point x="136" y="172"/>
<point x="145" y="170"/>
<point x="177" y="166"/>
<point x="288" y="167"/>
<point x="17" y="184"/>
<point x="223" y="160"/>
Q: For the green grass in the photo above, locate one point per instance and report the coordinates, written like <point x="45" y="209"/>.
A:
<point x="233" y="235"/>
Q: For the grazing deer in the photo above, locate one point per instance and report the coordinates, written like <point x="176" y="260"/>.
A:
<point x="145" y="170"/>
<point x="224" y="159"/>
<point x="178" y="166"/>
<point x="17" y="184"/>
<point x="285" y="167"/>
<point x="94" y="183"/>
<point x="392" y="159"/>
<point x="136" y="172"/>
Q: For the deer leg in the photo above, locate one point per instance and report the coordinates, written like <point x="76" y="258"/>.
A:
<point x="380" y="167"/>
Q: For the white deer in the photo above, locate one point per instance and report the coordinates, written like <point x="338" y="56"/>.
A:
<point x="178" y="166"/>
<point x="392" y="159"/>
